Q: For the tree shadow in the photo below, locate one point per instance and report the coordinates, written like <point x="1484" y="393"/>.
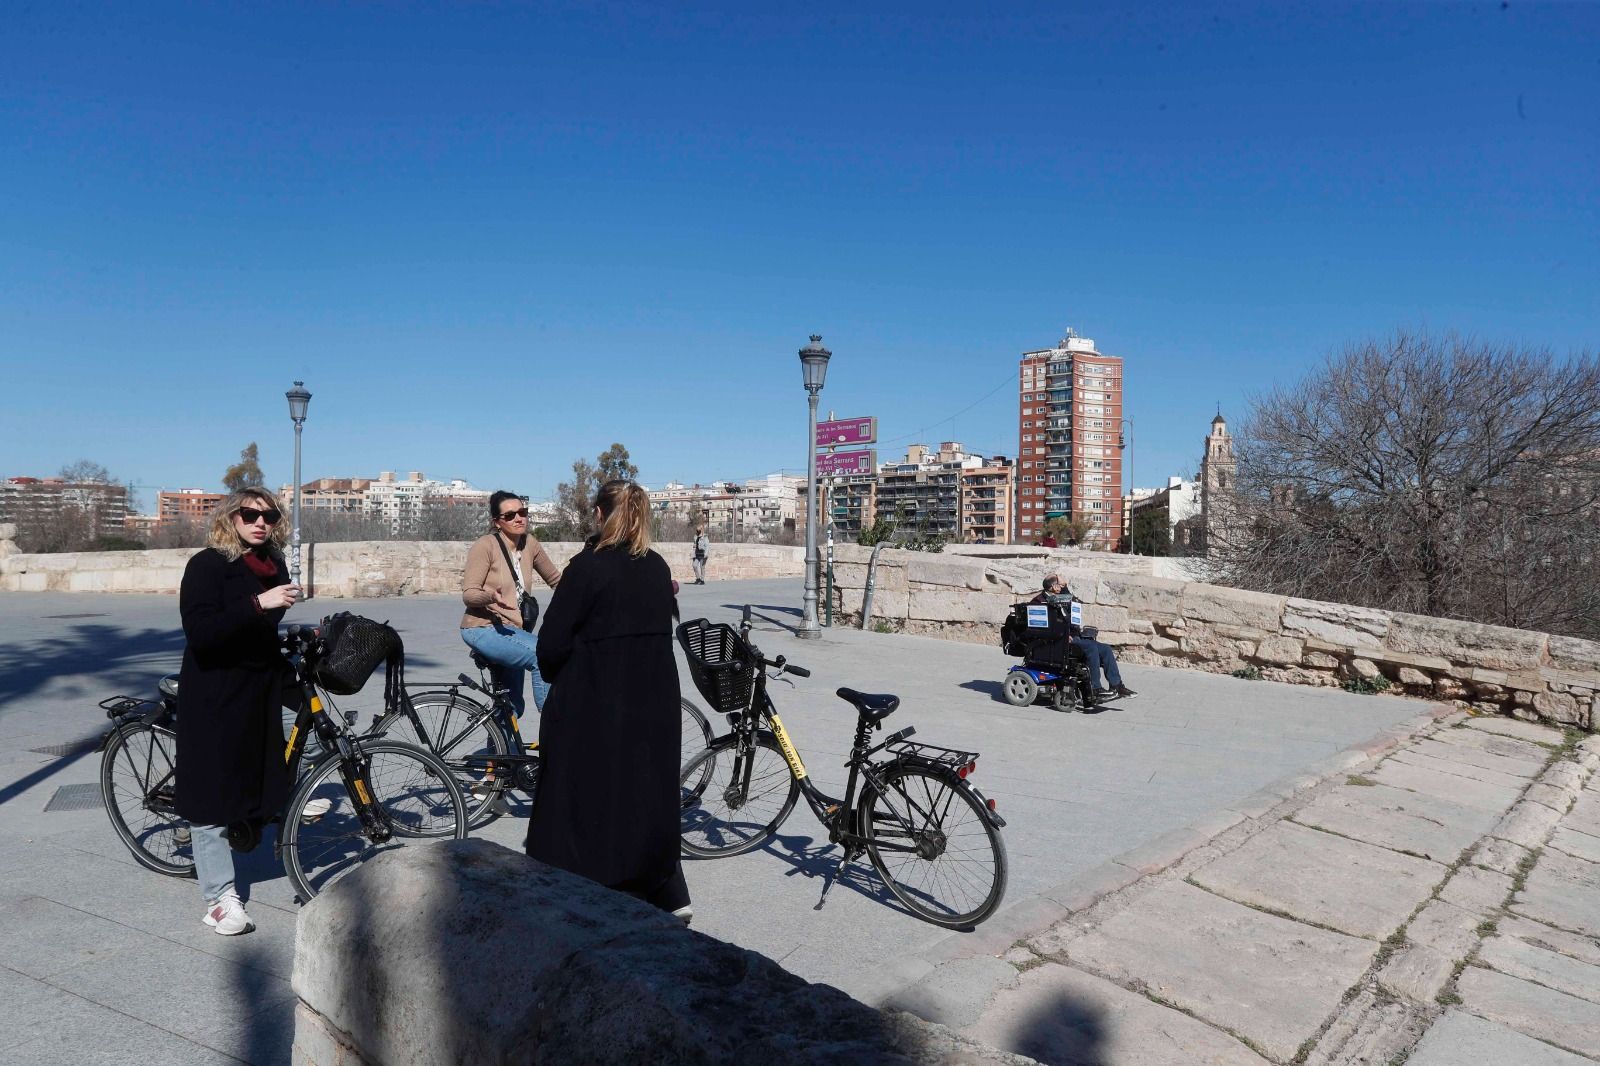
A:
<point x="90" y="659"/>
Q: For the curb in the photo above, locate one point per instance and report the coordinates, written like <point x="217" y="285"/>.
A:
<point x="1047" y="907"/>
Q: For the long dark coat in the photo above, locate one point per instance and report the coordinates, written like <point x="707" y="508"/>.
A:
<point x="230" y="728"/>
<point x="609" y="733"/>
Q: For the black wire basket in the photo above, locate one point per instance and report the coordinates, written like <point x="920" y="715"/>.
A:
<point x="720" y="663"/>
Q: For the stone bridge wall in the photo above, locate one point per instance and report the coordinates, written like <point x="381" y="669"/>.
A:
<point x="356" y="568"/>
<point x="468" y="952"/>
<point x="1190" y="624"/>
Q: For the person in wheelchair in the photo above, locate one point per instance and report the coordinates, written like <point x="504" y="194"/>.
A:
<point x="1102" y="660"/>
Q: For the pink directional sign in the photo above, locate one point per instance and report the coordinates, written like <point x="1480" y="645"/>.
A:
<point x="847" y="431"/>
<point x="835" y="464"/>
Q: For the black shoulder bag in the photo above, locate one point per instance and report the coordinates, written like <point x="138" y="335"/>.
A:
<point x="525" y="603"/>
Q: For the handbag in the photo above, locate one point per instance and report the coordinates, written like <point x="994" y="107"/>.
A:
<point x="353" y="648"/>
<point x="527" y="606"/>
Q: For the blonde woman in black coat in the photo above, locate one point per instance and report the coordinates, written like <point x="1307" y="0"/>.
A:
<point x="230" y="726"/>
<point x="610" y="729"/>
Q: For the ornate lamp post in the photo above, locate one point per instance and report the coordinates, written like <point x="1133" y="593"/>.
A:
<point x="814" y="363"/>
<point x="299" y="400"/>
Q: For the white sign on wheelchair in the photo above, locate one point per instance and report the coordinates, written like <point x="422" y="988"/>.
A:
<point x="1077" y="614"/>
<point x="1038" y="616"/>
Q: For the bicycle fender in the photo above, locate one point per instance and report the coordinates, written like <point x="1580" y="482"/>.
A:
<point x="990" y="815"/>
<point x="954" y="779"/>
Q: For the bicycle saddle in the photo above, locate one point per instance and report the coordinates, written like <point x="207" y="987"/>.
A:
<point x="874" y="707"/>
<point x="169" y="686"/>
<point x="479" y="661"/>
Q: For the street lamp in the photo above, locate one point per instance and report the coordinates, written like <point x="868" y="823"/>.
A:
<point x="814" y="363"/>
<point x="299" y="400"/>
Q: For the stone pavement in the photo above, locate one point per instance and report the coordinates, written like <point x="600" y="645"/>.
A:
<point x="1440" y="900"/>
<point x="103" y="961"/>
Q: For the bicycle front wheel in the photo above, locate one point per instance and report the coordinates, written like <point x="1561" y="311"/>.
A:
<point x="322" y="837"/>
<point x="745" y="791"/>
<point x="696" y="738"/>
<point x="138" y="779"/>
<point x="931" y="842"/>
<point x="464" y="733"/>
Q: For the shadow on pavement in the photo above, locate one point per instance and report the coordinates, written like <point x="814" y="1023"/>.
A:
<point x="98" y="659"/>
<point x="807" y="858"/>
<point x="1061" y="1032"/>
<point x="764" y="612"/>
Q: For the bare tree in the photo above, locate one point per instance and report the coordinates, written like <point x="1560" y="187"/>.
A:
<point x="84" y="472"/>
<point x="179" y="533"/>
<point x="1440" y="476"/>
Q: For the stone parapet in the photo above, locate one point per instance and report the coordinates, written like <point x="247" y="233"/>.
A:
<point x="416" y="957"/>
<point x="355" y="568"/>
<point x="1187" y="623"/>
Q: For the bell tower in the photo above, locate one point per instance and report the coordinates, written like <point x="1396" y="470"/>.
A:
<point x="1218" y="469"/>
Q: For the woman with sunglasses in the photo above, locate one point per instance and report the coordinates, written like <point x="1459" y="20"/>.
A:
<point x="500" y="569"/>
<point x="230" y="737"/>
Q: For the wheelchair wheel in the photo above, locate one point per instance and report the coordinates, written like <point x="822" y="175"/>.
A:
<point x="1019" y="688"/>
<point x="1062" y="699"/>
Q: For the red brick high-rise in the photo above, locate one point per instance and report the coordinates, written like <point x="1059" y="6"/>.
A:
<point x="1069" y="463"/>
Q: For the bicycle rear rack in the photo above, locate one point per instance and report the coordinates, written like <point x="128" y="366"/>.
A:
<point x="950" y="758"/>
<point x="129" y="707"/>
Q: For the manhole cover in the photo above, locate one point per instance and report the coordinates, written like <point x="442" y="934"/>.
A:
<point x="90" y="615"/>
<point x="70" y="748"/>
<point x="75" y="798"/>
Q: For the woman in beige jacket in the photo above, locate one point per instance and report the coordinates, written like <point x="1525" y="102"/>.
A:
<point x="492" y="626"/>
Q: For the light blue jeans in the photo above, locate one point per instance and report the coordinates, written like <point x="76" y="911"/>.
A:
<point x="513" y="653"/>
<point x="213" y="855"/>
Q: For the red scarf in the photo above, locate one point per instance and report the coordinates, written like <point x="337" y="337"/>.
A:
<point x="264" y="566"/>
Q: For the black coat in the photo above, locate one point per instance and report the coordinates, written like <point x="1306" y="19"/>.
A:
<point x="230" y="728"/>
<point x="609" y="733"/>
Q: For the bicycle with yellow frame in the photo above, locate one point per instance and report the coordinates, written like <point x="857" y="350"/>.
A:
<point x="933" y="838"/>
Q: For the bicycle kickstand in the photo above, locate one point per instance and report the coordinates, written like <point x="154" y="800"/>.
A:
<point x="847" y="856"/>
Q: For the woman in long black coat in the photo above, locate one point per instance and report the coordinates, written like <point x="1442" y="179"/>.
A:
<point x="609" y="734"/>
<point x="230" y="725"/>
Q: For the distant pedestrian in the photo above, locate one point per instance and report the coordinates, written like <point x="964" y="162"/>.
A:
<point x="702" y="552"/>
<point x="230" y="740"/>
<point x="494" y="586"/>
<point x="610" y="734"/>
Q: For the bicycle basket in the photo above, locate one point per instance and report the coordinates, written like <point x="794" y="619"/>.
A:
<point x="355" y="647"/>
<point x="719" y="662"/>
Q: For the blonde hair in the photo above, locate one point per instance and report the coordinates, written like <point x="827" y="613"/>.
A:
<point x="225" y="539"/>
<point x="624" y="517"/>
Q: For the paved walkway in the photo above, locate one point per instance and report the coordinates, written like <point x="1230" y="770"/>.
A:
<point x="102" y="961"/>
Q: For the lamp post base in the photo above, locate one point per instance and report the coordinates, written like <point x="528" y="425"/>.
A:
<point x="811" y="632"/>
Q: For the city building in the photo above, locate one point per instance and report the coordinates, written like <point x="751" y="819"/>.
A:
<point x="403" y="504"/>
<point x="756" y="509"/>
<point x="1069" y="457"/>
<point x="187" y="506"/>
<point x="1162" y="521"/>
<point x="98" y="507"/>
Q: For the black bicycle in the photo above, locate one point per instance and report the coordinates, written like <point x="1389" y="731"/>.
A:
<point x="473" y="727"/>
<point x="361" y="795"/>
<point x="933" y="838"/>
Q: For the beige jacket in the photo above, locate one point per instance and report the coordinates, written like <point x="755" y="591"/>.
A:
<point x="487" y="586"/>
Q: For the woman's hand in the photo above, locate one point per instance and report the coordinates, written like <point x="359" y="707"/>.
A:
<point x="278" y="596"/>
<point x="507" y="606"/>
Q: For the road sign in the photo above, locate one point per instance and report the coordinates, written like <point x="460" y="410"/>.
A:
<point x="847" y="431"/>
<point x="837" y="464"/>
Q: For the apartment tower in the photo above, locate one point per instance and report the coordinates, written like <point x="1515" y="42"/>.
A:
<point x="1069" y="460"/>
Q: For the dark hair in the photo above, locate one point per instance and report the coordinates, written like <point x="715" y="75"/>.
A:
<point x="1051" y="579"/>
<point x="624" y="517"/>
<point x="497" y="499"/>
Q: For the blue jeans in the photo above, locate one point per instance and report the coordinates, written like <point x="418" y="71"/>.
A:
<point x="513" y="654"/>
<point x="1102" y="660"/>
<point x="213" y="855"/>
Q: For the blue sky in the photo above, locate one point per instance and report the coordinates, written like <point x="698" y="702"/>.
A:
<point x="495" y="238"/>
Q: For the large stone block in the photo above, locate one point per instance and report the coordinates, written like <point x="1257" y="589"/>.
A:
<point x="1281" y="651"/>
<point x="937" y="570"/>
<point x="1494" y="647"/>
<point x="1570" y="653"/>
<point x="957" y="605"/>
<point x="1145" y="597"/>
<point x="1234" y="607"/>
<point x="1338" y="624"/>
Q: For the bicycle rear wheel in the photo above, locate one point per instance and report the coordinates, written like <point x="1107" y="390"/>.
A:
<point x="745" y="792"/>
<point x="138" y="778"/>
<point x="928" y="836"/>
<point x="418" y="795"/>
<point x="696" y="738"/>
<point x="454" y="727"/>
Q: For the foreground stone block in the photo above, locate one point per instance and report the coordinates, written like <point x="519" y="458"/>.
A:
<point x="1459" y="1037"/>
<point x="468" y="952"/>
<point x="1564" y="892"/>
<point x="1393" y="818"/>
<point x="1542" y="1013"/>
<point x="1271" y="980"/>
<point x="1337" y="624"/>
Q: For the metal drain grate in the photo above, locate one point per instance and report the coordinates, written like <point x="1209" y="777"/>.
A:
<point x="75" y="798"/>
<point x="71" y="747"/>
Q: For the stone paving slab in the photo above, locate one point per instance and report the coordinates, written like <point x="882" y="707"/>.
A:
<point x="1459" y="1037"/>
<point x="1356" y="888"/>
<point x="1542" y="1013"/>
<point x="1501" y="856"/>
<point x="1574" y="945"/>
<point x="1395" y="818"/>
<point x="1517" y="958"/>
<point x="45" y="1026"/>
<point x="1514" y="727"/>
<point x="1413" y="757"/>
<point x="1564" y="892"/>
<point x="1585" y="814"/>
<point x="1481" y="795"/>
<point x="1463" y="750"/>
<point x="1475" y="889"/>
<point x="1493" y="744"/>
<point x="1270" y="980"/>
<point x="1578" y="845"/>
<point x="1061" y="1015"/>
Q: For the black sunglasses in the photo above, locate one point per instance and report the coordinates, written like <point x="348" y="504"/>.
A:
<point x="509" y="515"/>
<point x="250" y="514"/>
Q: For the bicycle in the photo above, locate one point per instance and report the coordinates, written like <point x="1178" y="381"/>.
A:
<point x="473" y="726"/>
<point x="362" y="794"/>
<point x="932" y="837"/>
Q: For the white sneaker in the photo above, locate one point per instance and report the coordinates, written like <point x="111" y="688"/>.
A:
<point x="227" y="916"/>
<point x="315" y="808"/>
<point x="686" y="913"/>
<point x="181" y="836"/>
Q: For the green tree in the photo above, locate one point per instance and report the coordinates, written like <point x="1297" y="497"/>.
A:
<point x="246" y="473"/>
<point x="613" y="465"/>
<point x="1071" y="531"/>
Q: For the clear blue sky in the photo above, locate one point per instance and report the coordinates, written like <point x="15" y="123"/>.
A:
<point x="494" y="238"/>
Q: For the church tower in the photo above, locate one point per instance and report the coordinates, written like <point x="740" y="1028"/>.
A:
<point x="1218" y="469"/>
